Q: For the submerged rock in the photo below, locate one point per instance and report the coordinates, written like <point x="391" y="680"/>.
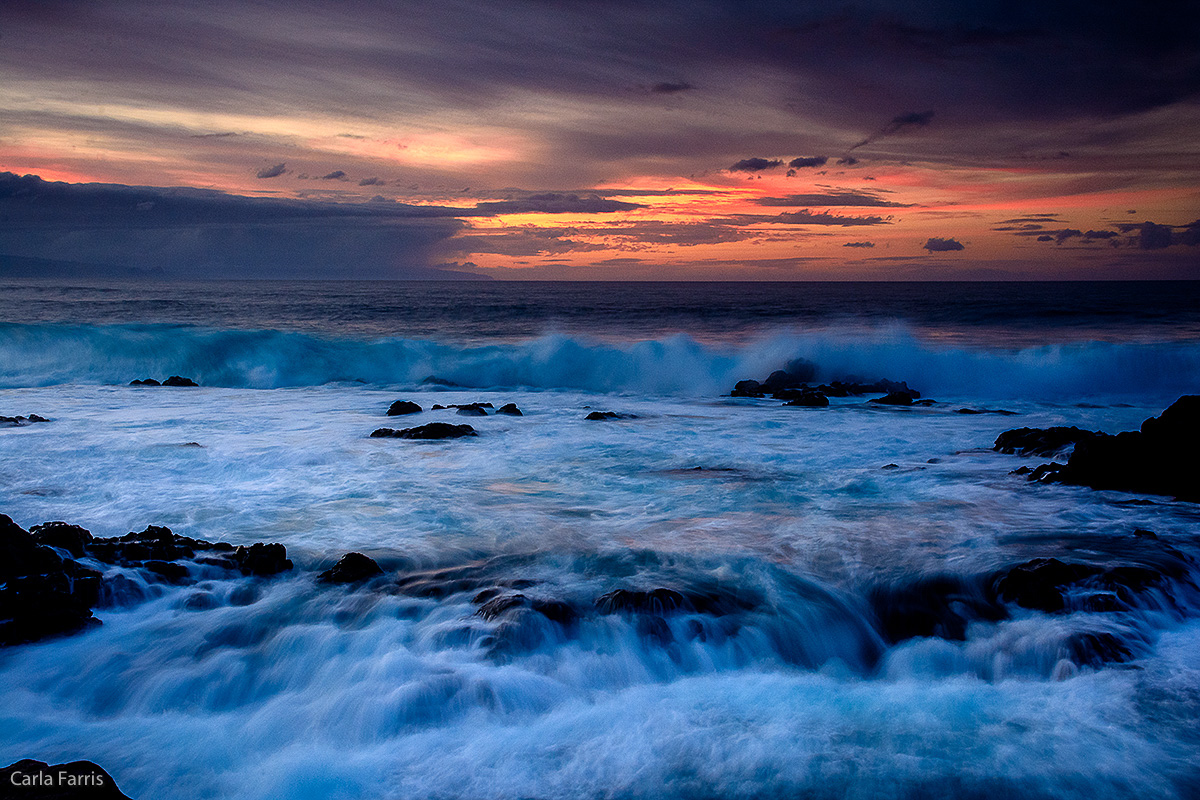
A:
<point x="510" y="409"/>
<point x="898" y="398"/>
<point x="473" y="410"/>
<point x="808" y="398"/>
<point x="351" y="568"/>
<point x="606" y="415"/>
<point x="401" y="407"/>
<point x="434" y="430"/>
<point x="145" y="382"/>
<point x="76" y="780"/>
<point x="176" y="380"/>
<point x="18" y="421"/>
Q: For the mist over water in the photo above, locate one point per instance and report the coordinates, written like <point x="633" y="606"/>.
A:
<point x="775" y="675"/>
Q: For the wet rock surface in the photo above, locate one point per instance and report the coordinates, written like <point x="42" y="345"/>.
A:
<point x="510" y="409"/>
<point x="432" y="431"/>
<point x="402" y="407"/>
<point x="43" y="594"/>
<point x="1040" y="441"/>
<point x="351" y="568"/>
<point x="600" y="416"/>
<point x="16" y="422"/>
<point x="1160" y="458"/>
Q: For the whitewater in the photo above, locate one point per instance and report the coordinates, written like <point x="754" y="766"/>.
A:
<point x="802" y="527"/>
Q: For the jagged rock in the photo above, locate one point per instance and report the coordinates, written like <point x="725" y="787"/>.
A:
<point x="71" y="538"/>
<point x="351" y="568"/>
<point x="76" y="780"/>
<point x="401" y="407"/>
<point x="1158" y="459"/>
<point x="1040" y="441"/>
<point x="434" y="430"/>
<point x="41" y="593"/>
<point x="510" y="409"/>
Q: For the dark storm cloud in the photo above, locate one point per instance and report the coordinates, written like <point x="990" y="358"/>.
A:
<point x="272" y="172"/>
<point x="555" y="203"/>
<point x="847" y="161"/>
<point x="859" y="244"/>
<point x="848" y="197"/>
<point x="755" y="164"/>
<point x="808" y="161"/>
<point x="918" y="119"/>
<point x="807" y="217"/>
<point x="939" y="245"/>
<point x="991" y="67"/>
<point x="203" y="233"/>
<point x="1101" y="235"/>
<point x="1153" y="237"/>
<point x="336" y="175"/>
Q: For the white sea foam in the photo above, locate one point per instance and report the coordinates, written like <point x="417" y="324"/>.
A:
<point x="49" y="354"/>
<point x="312" y="692"/>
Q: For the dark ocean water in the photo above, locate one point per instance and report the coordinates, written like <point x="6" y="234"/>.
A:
<point x="801" y="535"/>
<point x="982" y="313"/>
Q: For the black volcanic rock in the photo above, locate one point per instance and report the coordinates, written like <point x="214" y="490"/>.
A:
<point x="41" y="594"/>
<point x="401" y="407"/>
<point x="351" y="568"/>
<point x="145" y="382"/>
<point x="1158" y="459"/>
<point x="262" y="559"/>
<point x="77" y="780"/>
<point x="71" y="538"/>
<point x="1040" y="441"/>
<point x="176" y="380"/>
<point x="472" y="410"/>
<point x="808" y="398"/>
<point x="510" y="409"/>
<point x="599" y="416"/>
<point x="18" y="421"/>
<point x="434" y="430"/>
<point x="899" y="398"/>
<point x="747" y="388"/>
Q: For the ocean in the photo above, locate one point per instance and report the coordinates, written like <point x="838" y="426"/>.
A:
<point x="788" y="541"/>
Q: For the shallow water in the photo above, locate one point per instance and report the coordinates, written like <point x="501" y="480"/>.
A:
<point x="786" y="686"/>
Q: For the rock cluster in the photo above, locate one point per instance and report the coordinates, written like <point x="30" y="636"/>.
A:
<point x="793" y="384"/>
<point x="45" y="594"/>
<point x="1157" y="459"/>
<point x="174" y="380"/>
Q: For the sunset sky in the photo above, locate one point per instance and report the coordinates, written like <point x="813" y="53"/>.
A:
<point x="604" y="140"/>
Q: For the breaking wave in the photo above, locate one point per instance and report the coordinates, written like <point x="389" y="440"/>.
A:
<point x="53" y="354"/>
